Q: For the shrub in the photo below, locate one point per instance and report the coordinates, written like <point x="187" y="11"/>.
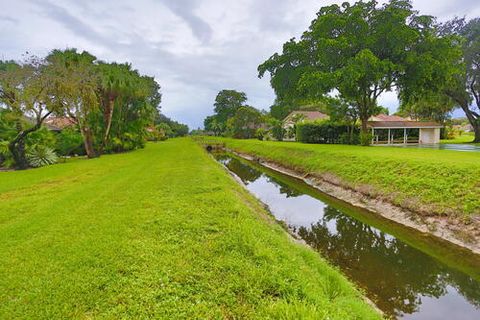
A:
<point x="69" y="142"/>
<point x="127" y="142"/>
<point x="43" y="137"/>
<point x="6" y="158"/>
<point x="278" y="132"/>
<point x="323" y="132"/>
<point x="260" y="134"/>
<point x="366" y="138"/>
<point x="40" y="155"/>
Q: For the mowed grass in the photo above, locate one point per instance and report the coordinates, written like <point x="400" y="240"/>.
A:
<point x="466" y="137"/>
<point x="162" y="232"/>
<point x="431" y="182"/>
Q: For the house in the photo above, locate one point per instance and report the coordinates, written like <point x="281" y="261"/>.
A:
<point x="57" y="124"/>
<point x="397" y="130"/>
<point x="296" y="116"/>
<point x="299" y="116"/>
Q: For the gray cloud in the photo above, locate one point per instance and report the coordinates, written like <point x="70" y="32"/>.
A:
<point x="185" y="10"/>
<point x="193" y="48"/>
<point x="8" y="19"/>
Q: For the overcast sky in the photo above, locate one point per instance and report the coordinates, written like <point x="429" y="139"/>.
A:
<point x="194" y="48"/>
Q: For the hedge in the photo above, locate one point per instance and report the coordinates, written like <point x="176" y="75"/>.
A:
<point x="326" y="132"/>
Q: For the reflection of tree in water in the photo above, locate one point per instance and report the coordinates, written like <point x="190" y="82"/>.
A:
<point x="392" y="273"/>
<point x="249" y="174"/>
<point x="285" y="188"/>
<point x="245" y="172"/>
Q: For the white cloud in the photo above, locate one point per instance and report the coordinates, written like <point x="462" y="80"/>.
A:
<point x="193" y="48"/>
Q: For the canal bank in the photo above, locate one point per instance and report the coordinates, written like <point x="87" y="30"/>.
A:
<point x="406" y="273"/>
<point x="433" y="191"/>
<point x="439" y="226"/>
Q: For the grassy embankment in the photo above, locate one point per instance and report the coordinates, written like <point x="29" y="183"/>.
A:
<point x="162" y="232"/>
<point x="431" y="182"/>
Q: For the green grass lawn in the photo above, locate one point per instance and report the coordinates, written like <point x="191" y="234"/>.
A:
<point x="466" y="137"/>
<point x="427" y="181"/>
<point x="162" y="232"/>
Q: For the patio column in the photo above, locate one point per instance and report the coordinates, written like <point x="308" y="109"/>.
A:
<point x="388" y="136"/>
<point x="404" y="135"/>
<point x="373" y="135"/>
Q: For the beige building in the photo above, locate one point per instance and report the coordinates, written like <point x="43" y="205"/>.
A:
<point x="397" y="130"/>
<point x="300" y="116"/>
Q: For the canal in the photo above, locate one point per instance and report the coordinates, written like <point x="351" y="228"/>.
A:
<point x="408" y="274"/>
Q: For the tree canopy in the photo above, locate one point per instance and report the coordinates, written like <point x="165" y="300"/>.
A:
<point x="111" y="104"/>
<point x="463" y="86"/>
<point x="359" y="51"/>
<point x="226" y="105"/>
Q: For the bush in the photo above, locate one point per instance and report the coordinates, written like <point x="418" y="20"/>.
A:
<point x="40" y="155"/>
<point x="43" y="137"/>
<point x="69" y="142"/>
<point x="278" y="132"/>
<point x="366" y="138"/>
<point x="6" y="159"/>
<point x="324" y="132"/>
<point x="260" y="134"/>
<point x="127" y="142"/>
<point x="349" y="138"/>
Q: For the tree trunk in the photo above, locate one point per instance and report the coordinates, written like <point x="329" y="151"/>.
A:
<point x="88" y="142"/>
<point x="365" y="139"/>
<point x="364" y="126"/>
<point x="476" y="129"/>
<point x="17" y="149"/>
<point x="473" y="119"/>
<point x="107" y="117"/>
<point x="17" y="145"/>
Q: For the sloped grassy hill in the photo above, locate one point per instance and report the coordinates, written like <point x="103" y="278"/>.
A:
<point x="162" y="232"/>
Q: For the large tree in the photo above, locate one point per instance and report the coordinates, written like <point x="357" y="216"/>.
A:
<point x="464" y="86"/>
<point x="245" y="122"/>
<point x="117" y="81"/>
<point x="76" y="83"/>
<point x="25" y="90"/>
<point x="358" y="51"/>
<point x="227" y="102"/>
<point x="436" y="107"/>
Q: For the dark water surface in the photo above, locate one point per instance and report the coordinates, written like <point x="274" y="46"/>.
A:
<point x="407" y="274"/>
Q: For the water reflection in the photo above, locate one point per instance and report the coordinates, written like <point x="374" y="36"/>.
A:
<point x="402" y="280"/>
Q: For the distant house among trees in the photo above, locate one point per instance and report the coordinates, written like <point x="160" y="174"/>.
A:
<point x="296" y="116"/>
<point x="300" y="116"/>
<point x="388" y="129"/>
<point x="59" y="123"/>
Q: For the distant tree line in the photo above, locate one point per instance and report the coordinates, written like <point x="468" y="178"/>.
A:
<point x="233" y="117"/>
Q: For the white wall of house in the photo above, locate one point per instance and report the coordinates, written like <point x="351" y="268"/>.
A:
<point x="429" y="135"/>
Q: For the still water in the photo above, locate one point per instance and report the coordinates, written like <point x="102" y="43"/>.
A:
<point x="406" y="273"/>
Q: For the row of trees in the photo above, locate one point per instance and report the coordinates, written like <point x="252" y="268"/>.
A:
<point x="110" y="103"/>
<point x="359" y="51"/>
<point x="234" y="117"/>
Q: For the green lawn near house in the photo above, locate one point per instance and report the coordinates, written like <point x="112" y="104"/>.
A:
<point x="162" y="232"/>
<point x="427" y="181"/>
<point x="466" y="137"/>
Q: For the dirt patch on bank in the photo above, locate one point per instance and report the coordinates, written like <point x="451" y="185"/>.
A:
<point x="461" y="233"/>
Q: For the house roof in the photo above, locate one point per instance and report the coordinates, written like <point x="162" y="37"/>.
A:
<point x="403" y="124"/>
<point x="59" y="123"/>
<point x="308" y="115"/>
<point x="386" y="117"/>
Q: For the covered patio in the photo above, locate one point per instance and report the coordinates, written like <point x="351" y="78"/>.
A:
<point x="404" y="132"/>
